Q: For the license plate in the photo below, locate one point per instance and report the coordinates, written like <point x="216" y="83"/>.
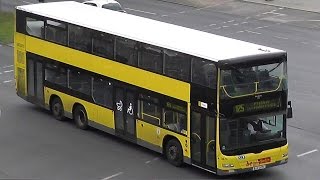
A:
<point x="255" y="168"/>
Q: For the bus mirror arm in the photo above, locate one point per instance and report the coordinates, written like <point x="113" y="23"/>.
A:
<point x="289" y="110"/>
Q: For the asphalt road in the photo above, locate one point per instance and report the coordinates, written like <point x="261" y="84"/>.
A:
<point x="35" y="146"/>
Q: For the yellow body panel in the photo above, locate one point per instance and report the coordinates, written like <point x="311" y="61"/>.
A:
<point x="155" y="135"/>
<point x="119" y="71"/>
<point x="20" y="72"/>
<point x="148" y="132"/>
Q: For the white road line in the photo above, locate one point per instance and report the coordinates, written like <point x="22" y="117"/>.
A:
<point x="27" y="2"/>
<point x="7" y="66"/>
<point x="109" y="177"/>
<point x="252" y="32"/>
<point x="225" y="26"/>
<point x="239" y="31"/>
<point x="236" y="24"/>
<point x="182" y="12"/>
<point x="212" y="24"/>
<point x="7" y="81"/>
<point x="244" y="23"/>
<point x="8" y="71"/>
<point x="147" y="162"/>
<point x="0" y="113"/>
<point x="279" y="37"/>
<point x="230" y="21"/>
<point x="141" y="11"/>
<point x="309" y="152"/>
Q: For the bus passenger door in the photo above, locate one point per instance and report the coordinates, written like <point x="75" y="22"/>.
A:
<point x="35" y="81"/>
<point x="203" y="141"/>
<point x="124" y="112"/>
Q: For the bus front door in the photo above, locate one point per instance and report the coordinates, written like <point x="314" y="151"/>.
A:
<point x="203" y="141"/>
<point x="124" y="112"/>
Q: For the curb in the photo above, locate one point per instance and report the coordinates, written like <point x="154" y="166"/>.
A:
<point x="8" y="45"/>
<point x="287" y="7"/>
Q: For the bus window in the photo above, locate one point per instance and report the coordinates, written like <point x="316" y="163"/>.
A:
<point x="80" y="38"/>
<point x="102" y="92"/>
<point x="204" y="73"/>
<point x="151" y="58"/>
<point x="56" y="32"/>
<point x="35" y="27"/>
<point x="103" y="45"/>
<point x="175" y="121"/>
<point x="126" y="51"/>
<point x="177" y="65"/>
<point x="56" y="75"/>
<point x="150" y="109"/>
<point x="79" y="81"/>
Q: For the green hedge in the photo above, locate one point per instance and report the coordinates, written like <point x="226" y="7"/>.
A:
<point x="6" y="27"/>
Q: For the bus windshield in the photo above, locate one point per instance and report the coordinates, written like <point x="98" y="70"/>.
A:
<point x="245" y="132"/>
<point x="241" y="81"/>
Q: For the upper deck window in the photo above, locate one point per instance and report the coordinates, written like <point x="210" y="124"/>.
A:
<point x="177" y="65"/>
<point x="35" y="27"/>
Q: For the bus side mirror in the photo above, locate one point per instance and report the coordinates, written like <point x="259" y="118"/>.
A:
<point x="289" y="110"/>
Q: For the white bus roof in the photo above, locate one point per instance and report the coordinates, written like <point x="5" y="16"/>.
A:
<point x="178" y="38"/>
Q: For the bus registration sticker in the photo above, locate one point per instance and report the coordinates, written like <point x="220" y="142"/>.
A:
<point x="255" y="168"/>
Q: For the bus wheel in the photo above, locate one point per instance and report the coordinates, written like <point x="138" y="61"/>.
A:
<point x="80" y="117"/>
<point x="57" y="109"/>
<point x="174" y="152"/>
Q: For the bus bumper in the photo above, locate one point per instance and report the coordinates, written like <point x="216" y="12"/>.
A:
<point x="239" y="171"/>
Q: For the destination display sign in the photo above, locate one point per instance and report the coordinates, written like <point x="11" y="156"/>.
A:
<point x="261" y="105"/>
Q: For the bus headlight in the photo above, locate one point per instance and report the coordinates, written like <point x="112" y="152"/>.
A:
<point x="227" y="165"/>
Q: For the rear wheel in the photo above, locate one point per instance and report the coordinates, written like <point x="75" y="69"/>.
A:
<point x="174" y="152"/>
<point x="57" y="109"/>
<point x="80" y="117"/>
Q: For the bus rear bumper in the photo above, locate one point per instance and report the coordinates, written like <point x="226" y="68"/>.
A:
<point x="251" y="169"/>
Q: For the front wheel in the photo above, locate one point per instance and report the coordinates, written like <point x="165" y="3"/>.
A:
<point x="174" y="152"/>
<point x="80" y="117"/>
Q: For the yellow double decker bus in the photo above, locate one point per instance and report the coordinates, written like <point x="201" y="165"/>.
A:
<point x="213" y="102"/>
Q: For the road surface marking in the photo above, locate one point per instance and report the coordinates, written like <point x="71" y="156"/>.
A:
<point x="309" y="152"/>
<point x="261" y="27"/>
<point x="7" y="81"/>
<point x="141" y="11"/>
<point x="154" y="159"/>
<point x="182" y="12"/>
<point x="212" y="24"/>
<point x="0" y="113"/>
<point x="279" y="37"/>
<point x="230" y="21"/>
<point x="252" y="32"/>
<point x="8" y="71"/>
<point x="7" y="66"/>
<point x="244" y="23"/>
<point x="110" y="177"/>
<point x="27" y="2"/>
<point x="225" y="26"/>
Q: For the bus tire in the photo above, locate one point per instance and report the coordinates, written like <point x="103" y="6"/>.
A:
<point x="80" y="117"/>
<point x="57" y="109"/>
<point x="174" y="153"/>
